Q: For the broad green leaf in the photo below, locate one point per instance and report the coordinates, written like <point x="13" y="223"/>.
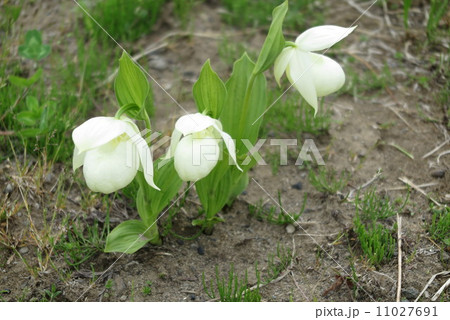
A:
<point x="28" y="118"/>
<point x="220" y="187"/>
<point x="32" y="103"/>
<point x="24" y="82"/>
<point x="274" y="42"/>
<point x="131" y="85"/>
<point x="150" y="202"/>
<point x="30" y="133"/>
<point x="128" y="237"/>
<point x="232" y="111"/>
<point x="209" y="91"/>
<point x="33" y="48"/>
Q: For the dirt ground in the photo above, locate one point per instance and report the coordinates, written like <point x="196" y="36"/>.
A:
<point x="320" y="256"/>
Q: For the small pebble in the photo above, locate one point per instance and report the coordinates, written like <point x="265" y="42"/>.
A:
<point x="410" y="293"/>
<point x="438" y="173"/>
<point x="9" y="188"/>
<point x="189" y="74"/>
<point x="200" y="250"/>
<point x="297" y="186"/>
<point x="158" y="63"/>
<point x="123" y="298"/>
<point x="23" y="250"/>
<point x="290" y="228"/>
<point x="180" y="242"/>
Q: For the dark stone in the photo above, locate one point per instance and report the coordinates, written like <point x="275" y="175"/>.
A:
<point x="297" y="186"/>
<point x="180" y="242"/>
<point x="410" y="293"/>
<point x="200" y="250"/>
<point x="438" y="173"/>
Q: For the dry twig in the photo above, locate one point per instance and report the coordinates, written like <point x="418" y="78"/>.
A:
<point x="435" y="149"/>
<point x="416" y="187"/>
<point x="443" y="273"/>
<point x="399" y="242"/>
<point x="438" y="293"/>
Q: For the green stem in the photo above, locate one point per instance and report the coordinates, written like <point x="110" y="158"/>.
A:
<point x="245" y="107"/>
<point x="148" y="125"/>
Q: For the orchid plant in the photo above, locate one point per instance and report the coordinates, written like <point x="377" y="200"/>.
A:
<point x="207" y="148"/>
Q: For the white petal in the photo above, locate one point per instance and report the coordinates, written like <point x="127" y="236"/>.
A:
<point x="282" y="62"/>
<point x="299" y="74"/>
<point x="191" y="123"/>
<point x="145" y="157"/>
<point x="322" y="37"/>
<point x="229" y="143"/>
<point x="78" y="158"/>
<point x="327" y="74"/>
<point x="97" y="131"/>
<point x="195" y="158"/>
<point x="107" y="169"/>
<point x="174" y="139"/>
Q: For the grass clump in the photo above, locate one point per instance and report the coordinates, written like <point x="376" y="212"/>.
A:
<point x="253" y="13"/>
<point x="80" y="244"/>
<point x="275" y="215"/>
<point x="439" y="228"/>
<point x="147" y="289"/>
<point x="277" y="263"/>
<point x="376" y="241"/>
<point x="328" y="180"/>
<point x="292" y="115"/>
<point x="372" y="214"/>
<point x="373" y="207"/>
<point x="231" y="288"/>
<point x="123" y="19"/>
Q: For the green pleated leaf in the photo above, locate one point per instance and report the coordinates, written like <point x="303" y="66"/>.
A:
<point x="232" y="111"/>
<point x="209" y="91"/>
<point x="274" y="42"/>
<point x="128" y="237"/>
<point x="131" y="85"/>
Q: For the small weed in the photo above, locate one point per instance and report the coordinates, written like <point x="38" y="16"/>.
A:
<point x="109" y="284"/>
<point x="367" y="84"/>
<point x="274" y="214"/>
<point x="80" y="244"/>
<point x="230" y="50"/>
<point x="292" y="115"/>
<point x="231" y="288"/>
<point x="376" y="241"/>
<point x="328" y="180"/>
<point x="50" y="295"/>
<point x="147" y="289"/>
<point x="439" y="227"/>
<point x="372" y="207"/>
<point x="277" y="263"/>
<point x="438" y="9"/>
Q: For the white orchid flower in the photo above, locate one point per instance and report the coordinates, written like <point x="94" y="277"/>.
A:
<point x="313" y="75"/>
<point x="194" y="146"/>
<point x="111" y="151"/>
